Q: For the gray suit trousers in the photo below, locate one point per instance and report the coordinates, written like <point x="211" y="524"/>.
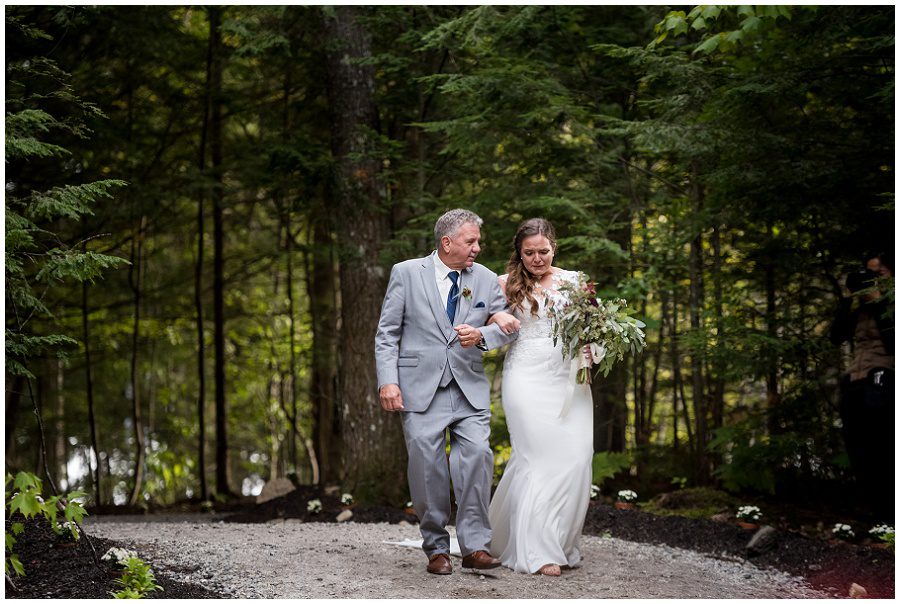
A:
<point x="471" y="467"/>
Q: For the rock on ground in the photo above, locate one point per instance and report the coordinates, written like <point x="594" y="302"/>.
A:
<point x="317" y="560"/>
<point x="274" y="489"/>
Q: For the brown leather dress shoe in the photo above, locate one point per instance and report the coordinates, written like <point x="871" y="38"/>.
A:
<point x="480" y="560"/>
<point x="439" y="564"/>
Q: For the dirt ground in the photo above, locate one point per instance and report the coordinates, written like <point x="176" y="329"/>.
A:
<point x="278" y="548"/>
<point x="293" y="559"/>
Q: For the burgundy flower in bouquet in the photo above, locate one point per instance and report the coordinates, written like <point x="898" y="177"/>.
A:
<point x="584" y="321"/>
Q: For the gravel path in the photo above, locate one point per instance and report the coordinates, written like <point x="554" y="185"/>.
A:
<point x="293" y="559"/>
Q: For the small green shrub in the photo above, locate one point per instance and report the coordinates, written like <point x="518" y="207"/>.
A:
<point x="884" y="533"/>
<point x="696" y="502"/>
<point x="137" y="580"/>
<point x="605" y="465"/>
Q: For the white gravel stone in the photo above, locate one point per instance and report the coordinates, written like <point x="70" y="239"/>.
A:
<point x="350" y="560"/>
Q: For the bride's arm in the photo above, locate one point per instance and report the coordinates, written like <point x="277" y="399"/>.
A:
<point x="504" y="320"/>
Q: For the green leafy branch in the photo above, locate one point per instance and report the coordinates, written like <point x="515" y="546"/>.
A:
<point x="739" y="24"/>
<point x="23" y="496"/>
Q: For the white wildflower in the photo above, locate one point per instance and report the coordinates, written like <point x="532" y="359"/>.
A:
<point x="749" y="513"/>
<point x="881" y="529"/>
<point x="627" y="496"/>
<point x="120" y="555"/>
<point x="842" y="530"/>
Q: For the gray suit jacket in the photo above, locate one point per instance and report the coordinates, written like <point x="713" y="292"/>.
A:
<point x="415" y="341"/>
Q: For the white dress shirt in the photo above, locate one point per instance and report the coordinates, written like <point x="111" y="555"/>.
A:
<point x="443" y="281"/>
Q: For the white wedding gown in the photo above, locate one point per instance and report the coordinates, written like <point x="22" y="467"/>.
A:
<point x="538" y="509"/>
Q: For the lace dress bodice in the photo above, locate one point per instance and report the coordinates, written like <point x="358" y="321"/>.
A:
<point x="534" y="346"/>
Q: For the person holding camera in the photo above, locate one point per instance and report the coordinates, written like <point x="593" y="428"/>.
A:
<point x="865" y="319"/>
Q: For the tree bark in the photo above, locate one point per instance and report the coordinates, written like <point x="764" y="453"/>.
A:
<point x="718" y="393"/>
<point x="223" y="471"/>
<point x="772" y="396"/>
<point x="59" y="428"/>
<point x="89" y="387"/>
<point x="375" y="454"/>
<point x="610" y="413"/>
<point x="198" y="276"/>
<point x="135" y="274"/>
<point x="677" y="380"/>
<point x="321" y="289"/>
<point x="13" y="401"/>
<point x="698" y="389"/>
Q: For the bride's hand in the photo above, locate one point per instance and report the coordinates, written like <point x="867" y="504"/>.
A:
<point x="505" y="321"/>
<point x="586" y="351"/>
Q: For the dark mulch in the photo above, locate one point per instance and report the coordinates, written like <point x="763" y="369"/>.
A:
<point x="55" y="571"/>
<point x="294" y="505"/>
<point x="827" y="566"/>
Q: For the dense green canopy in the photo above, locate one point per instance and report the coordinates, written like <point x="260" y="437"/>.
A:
<point x="203" y="205"/>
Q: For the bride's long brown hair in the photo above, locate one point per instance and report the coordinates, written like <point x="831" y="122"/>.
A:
<point x="520" y="282"/>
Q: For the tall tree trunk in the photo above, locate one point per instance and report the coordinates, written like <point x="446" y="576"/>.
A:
<point x="198" y="274"/>
<point x="609" y="394"/>
<point x="657" y="361"/>
<point x="639" y="367"/>
<point x="135" y="273"/>
<point x="321" y="288"/>
<point x="677" y="380"/>
<point x="286" y="216"/>
<point x="772" y="396"/>
<point x="698" y="388"/>
<point x="37" y="400"/>
<point x="223" y="470"/>
<point x="375" y="452"/>
<point x="610" y="410"/>
<point x="89" y="386"/>
<point x="292" y="356"/>
<point x="718" y="393"/>
<point x="59" y="428"/>
<point x="13" y="401"/>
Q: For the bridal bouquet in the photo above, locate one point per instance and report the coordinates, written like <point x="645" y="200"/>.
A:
<point x="582" y="319"/>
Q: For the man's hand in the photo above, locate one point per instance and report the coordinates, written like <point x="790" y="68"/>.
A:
<point x="506" y="322"/>
<point x="391" y="398"/>
<point x="468" y="336"/>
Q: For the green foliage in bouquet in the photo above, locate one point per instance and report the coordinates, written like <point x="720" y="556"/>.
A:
<point x="582" y="319"/>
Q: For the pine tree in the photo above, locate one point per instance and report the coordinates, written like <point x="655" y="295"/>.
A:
<point x="37" y="257"/>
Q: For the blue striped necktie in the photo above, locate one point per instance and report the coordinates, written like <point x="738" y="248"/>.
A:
<point x="452" y="296"/>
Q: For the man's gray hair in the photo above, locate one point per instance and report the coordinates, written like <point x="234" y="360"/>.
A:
<point x="448" y="224"/>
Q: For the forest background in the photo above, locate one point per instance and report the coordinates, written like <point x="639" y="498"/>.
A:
<point x="203" y="204"/>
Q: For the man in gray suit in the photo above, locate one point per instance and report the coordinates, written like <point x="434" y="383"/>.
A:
<point x="428" y="355"/>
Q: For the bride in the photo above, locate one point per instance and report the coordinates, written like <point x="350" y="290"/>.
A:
<point x="538" y="510"/>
